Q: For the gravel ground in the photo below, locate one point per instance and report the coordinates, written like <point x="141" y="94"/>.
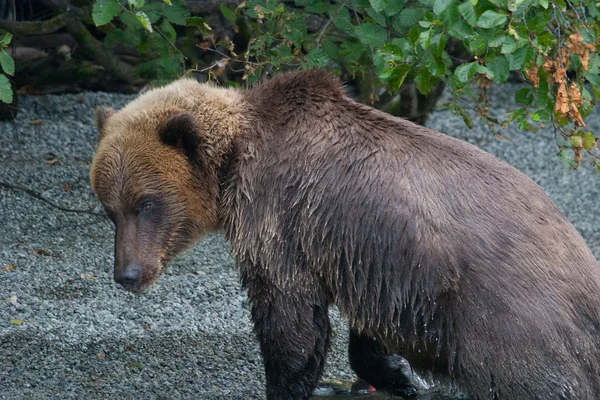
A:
<point x="67" y="331"/>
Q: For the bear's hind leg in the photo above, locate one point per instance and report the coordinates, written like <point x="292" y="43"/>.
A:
<point x="387" y="372"/>
<point x="293" y="330"/>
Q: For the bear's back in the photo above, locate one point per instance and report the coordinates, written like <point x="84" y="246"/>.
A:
<point x="399" y="212"/>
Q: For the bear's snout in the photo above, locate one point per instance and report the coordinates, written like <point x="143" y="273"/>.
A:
<point x="129" y="277"/>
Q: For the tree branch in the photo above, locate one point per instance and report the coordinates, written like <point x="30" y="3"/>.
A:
<point x="35" y="27"/>
<point x="89" y="45"/>
<point x="95" y="49"/>
<point x="329" y="21"/>
<point x="38" y="196"/>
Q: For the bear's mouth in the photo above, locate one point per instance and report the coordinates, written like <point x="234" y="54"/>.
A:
<point x="148" y="279"/>
<point x="138" y="288"/>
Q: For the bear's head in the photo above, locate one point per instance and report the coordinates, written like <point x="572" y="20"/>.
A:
<point x="156" y="172"/>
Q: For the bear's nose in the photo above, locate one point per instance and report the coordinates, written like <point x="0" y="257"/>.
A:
<point x="129" y="277"/>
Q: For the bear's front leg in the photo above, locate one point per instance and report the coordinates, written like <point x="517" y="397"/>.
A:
<point x="292" y="326"/>
<point x="374" y="364"/>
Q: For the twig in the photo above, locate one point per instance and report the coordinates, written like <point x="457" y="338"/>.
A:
<point x="169" y="41"/>
<point x="579" y="18"/>
<point x="329" y="21"/>
<point x="38" y="196"/>
<point x="211" y="67"/>
<point x="174" y="47"/>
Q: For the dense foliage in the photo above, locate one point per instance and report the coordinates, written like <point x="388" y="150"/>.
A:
<point x="7" y="66"/>
<point x="467" y="46"/>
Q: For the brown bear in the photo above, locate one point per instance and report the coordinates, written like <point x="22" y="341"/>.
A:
<point x="430" y="247"/>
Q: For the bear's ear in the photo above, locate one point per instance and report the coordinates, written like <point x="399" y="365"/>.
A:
<point x="180" y="133"/>
<point x="102" y="115"/>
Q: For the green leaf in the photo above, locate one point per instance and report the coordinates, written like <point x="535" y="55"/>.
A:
<point x="199" y="23"/>
<point x="317" y="57"/>
<point x="167" y="29"/>
<point x="330" y="47"/>
<point x="461" y="30"/>
<point x="5" y="41"/>
<point x="500" y="67"/>
<point x="17" y="322"/>
<point x="409" y="17"/>
<point x="343" y="22"/>
<point x="317" y="7"/>
<point x="476" y="44"/>
<point x="439" y="6"/>
<point x="228" y="13"/>
<point x="394" y="50"/>
<point x="589" y="141"/>
<point x="567" y="161"/>
<point x="464" y="73"/>
<point x="456" y="109"/>
<point x="371" y="34"/>
<point x="178" y="13"/>
<point x="7" y="63"/>
<point x="377" y="5"/>
<point x="425" y="39"/>
<point x="425" y="81"/>
<point x="524" y="96"/>
<point x="435" y="66"/>
<point x="392" y="7"/>
<point x="520" y="7"/>
<point x="496" y="40"/>
<point x="467" y="11"/>
<point x="517" y="59"/>
<point x="167" y="2"/>
<point x="377" y="16"/>
<point x="397" y="77"/>
<point x="136" y="3"/>
<point x="131" y="22"/>
<point x="352" y="50"/>
<point x="437" y="43"/>
<point x="104" y="11"/>
<point x="510" y="45"/>
<point x="143" y="18"/>
<point x="124" y="37"/>
<point x="154" y="11"/>
<point x="491" y="19"/>
<point x="407" y="48"/>
<point x="6" y="93"/>
<point x="544" y="3"/>
<point x="451" y="16"/>
<point x="160" y="70"/>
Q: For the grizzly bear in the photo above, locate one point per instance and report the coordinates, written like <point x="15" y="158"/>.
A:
<point x="431" y="248"/>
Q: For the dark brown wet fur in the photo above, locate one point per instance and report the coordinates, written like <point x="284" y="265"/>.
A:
<point x="436" y="249"/>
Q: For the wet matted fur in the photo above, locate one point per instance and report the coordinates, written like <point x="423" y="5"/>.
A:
<point x="430" y="247"/>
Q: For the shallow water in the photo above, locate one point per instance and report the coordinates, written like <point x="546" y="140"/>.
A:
<point x="339" y="390"/>
<point x="381" y="396"/>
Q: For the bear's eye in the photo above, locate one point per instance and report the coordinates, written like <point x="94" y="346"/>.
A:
<point x="146" y="206"/>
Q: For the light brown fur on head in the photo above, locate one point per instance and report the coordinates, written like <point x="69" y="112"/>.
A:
<point x="155" y="150"/>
